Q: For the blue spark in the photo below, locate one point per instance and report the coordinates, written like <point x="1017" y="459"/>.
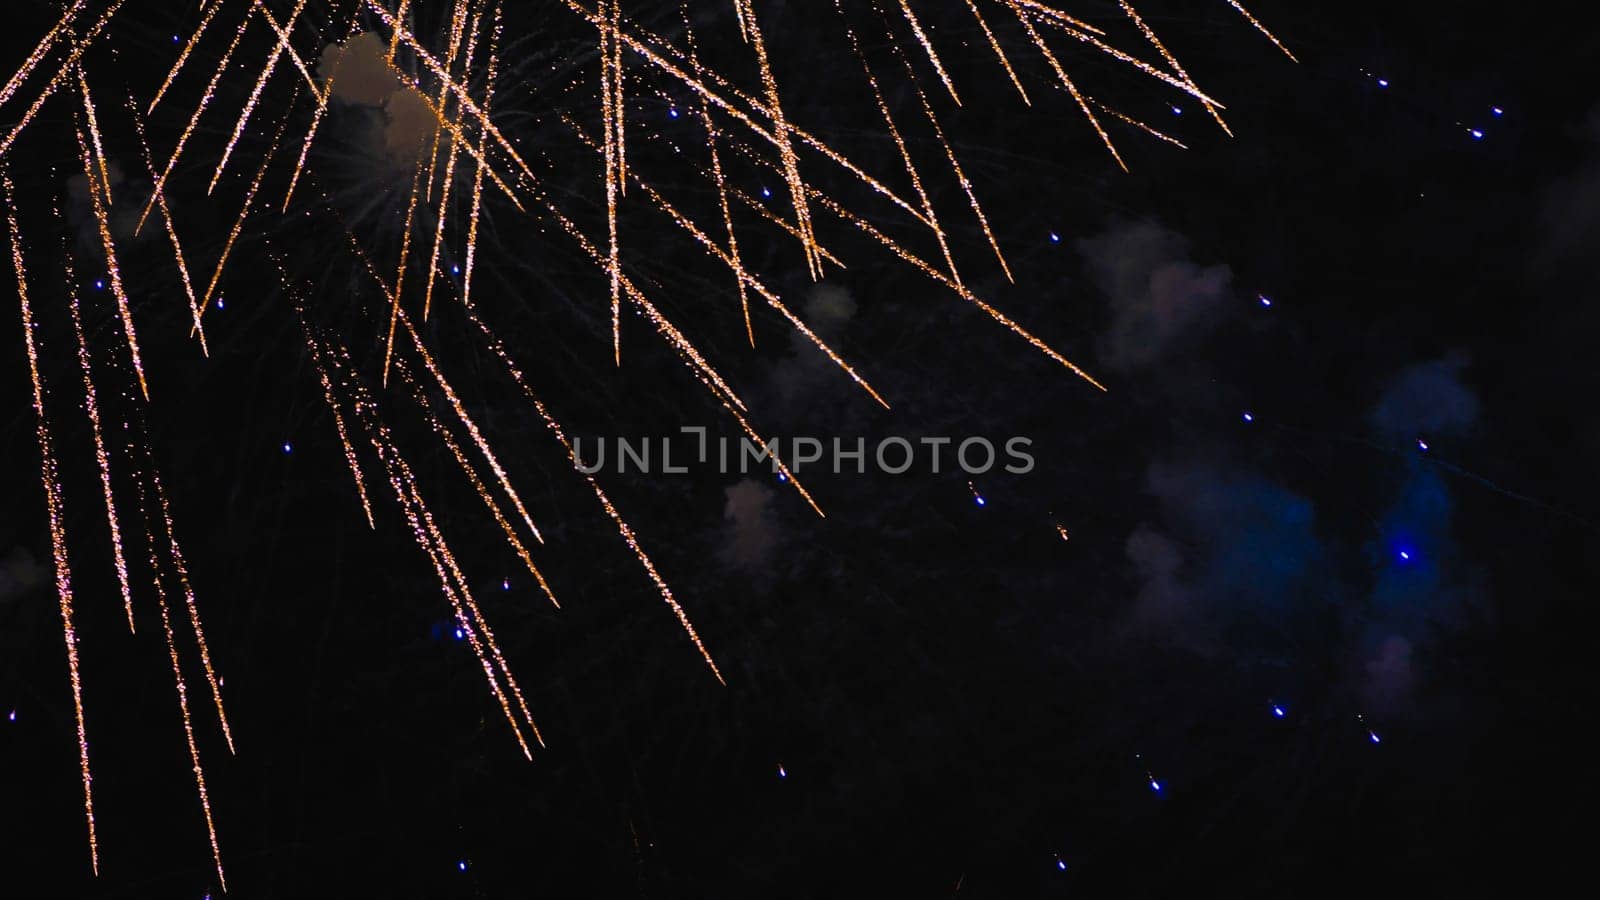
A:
<point x="1055" y="238"/>
<point x="673" y="112"/>
<point x="782" y="477"/>
<point x="1278" y="711"/>
<point x="1477" y="134"/>
<point x="1383" y="82"/>
<point x="1405" y="555"/>
<point x="1249" y="417"/>
<point x="1061" y="864"/>
<point x="1422" y="445"/>
<point x="782" y="772"/>
<point x="287" y="448"/>
<point x="765" y="191"/>
<point x="1265" y="300"/>
<point x="1155" y="785"/>
<point x="174" y="39"/>
<point x="1497" y="111"/>
<point x="11" y="716"/>
<point x="460" y="634"/>
<point x="505" y="584"/>
<point x="981" y="501"/>
<point x="1177" y="111"/>
<point x="461" y="865"/>
<point x="455" y="269"/>
<point x="1373" y="737"/>
<point x="99" y="284"/>
<point x="219" y="303"/>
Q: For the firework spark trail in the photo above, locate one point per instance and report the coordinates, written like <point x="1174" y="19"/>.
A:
<point x="55" y="512"/>
<point x="183" y="55"/>
<point x="772" y="300"/>
<point x="623" y="528"/>
<point x="267" y="69"/>
<point x="456" y="28"/>
<point x="718" y="177"/>
<point x="791" y="161"/>
<point x="610" y="100"/>
<point x="999" y="52"/>
<point x="40" y="51"/>
<point x="102" y="458"/>
<point x="1055" y="64"/>
<point x="244" y="210"/>
<point x="175" y="554"/>
<point x="400" y="273"/>
<point x="1262" y="28"/>
<point x="927" y="45"/>
<point x="477" y="172"/>
<point x="433" y="544"/>
<point x="102" y="218"/>
<point x="1177" y="67"/>
<point x="471" y="426"/>
<point x="1184" y="84"/>
<point x="701" y="89"/>
<point x="350" y="457"/>
<point x="183" y="696"/>
<point x="1153" y="132"/>
<point x="932" y="272"/>
<point x="961" y="175"/>
<point x="94" y="138"/>
<point x="1054" y="15"/>
<point x="900" y="143"/>
<point x="285" y="46"/>
<point x="194" y="119"/>
<point x="172" y="231"/>
<point x="68" y="68"/>
<point x="482" y="489"/>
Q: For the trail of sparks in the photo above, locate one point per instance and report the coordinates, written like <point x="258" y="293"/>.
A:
<point x="182" y="686"/>
<point x="450" y="166"/>
<point x="317" y="361"/>
<point x="103" y="220"/>
<point x="175" y="553"/>
<point x="322" y="96"/>
<point x="172" y="231"/>
<point x="999" y="52"/>
<point x="927" y="45"/>
<point x="1150" y="35"/>
<point x="791" y="162"/>
<point x="54" y="507"/>
<point x="1261" y="28"/>
<point x="719" y="178"/>
<point x="102" y="458"/>
<point x="255" y="93"/>
<point x="623" y="528"/>
<point x="244" y="210"/>
<point x="194" y="119"/>
<point x="477" y="172"/>
<point x="68" y="68"/>
<point x="400" y="274"/>
<point x="40" y="51"/>
<point x="183" y="56"/>
<point x="1020" y="8"/>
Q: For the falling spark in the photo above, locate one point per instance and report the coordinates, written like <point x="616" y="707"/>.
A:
<point x="1261" y="28"/>
<point x="55" y="512"/>
<point x="103" y="220"/>
<point x="102" y="458"/>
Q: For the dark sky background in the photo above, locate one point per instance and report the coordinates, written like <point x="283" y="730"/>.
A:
<point x="925" y="697"/>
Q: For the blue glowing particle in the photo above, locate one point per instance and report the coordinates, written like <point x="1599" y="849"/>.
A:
<point x="461" y="865"/>
<point x="1383" y="82"/>
<point x="460" y="634"/>
<point x="1177" y="111"/>
<point x="765" y="191"/>
<point x="1278" y="711"/>
<point x="505" y="584"/>
<point x="1055" y="238"/>
<point x="1061" y="864"/>
<point x="1497" y="111"/>
<point x="1373" y="737"/>
<point x="673" y="112"/>
<point x="1155" y="785"/>
<point x="1422" y="445"/>
<point x="1265" y="300"/>
<point x="1249" y="417"/>
<point x="455" y="269"/>
<point x="782" y="477"/>
<point x="1405" y="555"/>
<point x="99" y="284"/>
<point x="782" y="772"/>
<point x="11" y="716"/>
<point x="174" y="39"/>
<point x="219" y="303"/>
<point x="981" y="501"/>
<point x="1477" y="134"/>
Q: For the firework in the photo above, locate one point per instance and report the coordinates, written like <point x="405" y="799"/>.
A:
<point x="450" y="79"/>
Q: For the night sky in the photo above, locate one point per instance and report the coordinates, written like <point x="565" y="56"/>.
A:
<point x="1299" y="603"/>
